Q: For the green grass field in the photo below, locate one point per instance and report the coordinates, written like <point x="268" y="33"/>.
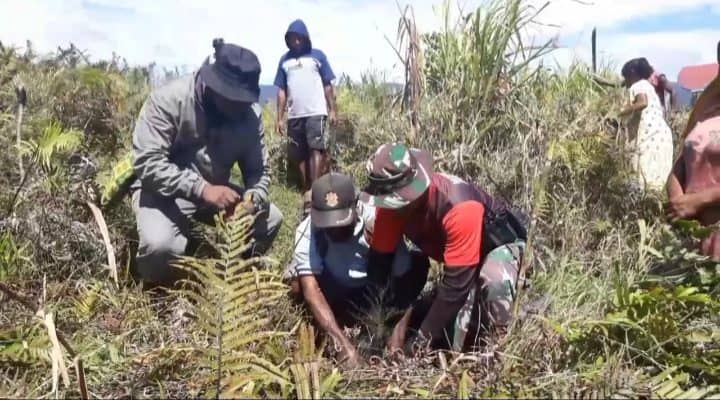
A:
<point x="617" y="307"/>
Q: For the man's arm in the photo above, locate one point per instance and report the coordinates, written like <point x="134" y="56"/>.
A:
<point x="280" y="113"/>
<point x="324" y="316"/>
<point x="154" y="133"/>
<point x="671" y="93"/>
<point x="675" y="181"/>
<point x="463" y="227"/>
<point x="254" y="163"/>
<point x="330" y="98"/>
<point x="306" y="263"/>
<point x="327" y="76"/>
<point x="281" y="84"/>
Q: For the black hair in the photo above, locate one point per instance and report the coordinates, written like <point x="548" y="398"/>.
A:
<point x="637" y="66"/>
<point x="217" y="43"/>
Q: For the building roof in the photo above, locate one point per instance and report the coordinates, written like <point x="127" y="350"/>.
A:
<point x="697" y="77"/>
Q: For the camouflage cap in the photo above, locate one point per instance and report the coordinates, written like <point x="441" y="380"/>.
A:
<point x="398" y="175"/>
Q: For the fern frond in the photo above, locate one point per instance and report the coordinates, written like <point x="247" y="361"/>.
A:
<point x="54" y="141"/>
<point x="28" y="345"/>
<point x="255" y="305"/>
<point x="243" y="385"/>
<point x="328" y="385"/>
<point x="464" y="386"/>
<point x="117" y="181"/>
<point x="85" y="305"/>
<point x="265" y="367"/>
<point x="669" y="385"/>
<point x="231" y="301"/>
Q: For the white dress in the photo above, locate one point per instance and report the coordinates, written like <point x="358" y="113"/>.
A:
<point x="653" y="158"/>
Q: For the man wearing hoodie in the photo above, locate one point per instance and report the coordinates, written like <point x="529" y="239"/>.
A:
<point x="304" y="80"/>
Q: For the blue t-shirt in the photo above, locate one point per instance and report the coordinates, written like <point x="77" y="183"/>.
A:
<point x="304" y="78"/>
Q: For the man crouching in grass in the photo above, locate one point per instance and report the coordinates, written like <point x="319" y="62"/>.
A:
<point x="329" y="264"/>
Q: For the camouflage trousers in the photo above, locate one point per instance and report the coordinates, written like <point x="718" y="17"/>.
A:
<point x="489" y="303"/>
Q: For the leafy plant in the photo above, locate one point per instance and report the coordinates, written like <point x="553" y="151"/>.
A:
<point x="24" y="344"/>
<point x="13" y="256"/>
<point x="117" y="181"/>
<point x="669" y="385"/>
<point x="85" y="306"/>
<point x="661" y="320"/>
<point x="54" y="143"/>
<point x="232" y="302"/>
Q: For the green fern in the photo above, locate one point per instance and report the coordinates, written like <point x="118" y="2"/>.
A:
<point x="24" y="345"/>
<point x="13" y="256"/>
<point x="465" y="385"/>
<point x="85" y="305"/>
<point x="117" y="181"/>
<point x="669" y="385"/>
<point x="232" y="303"/>
<point x="54" y="142"/>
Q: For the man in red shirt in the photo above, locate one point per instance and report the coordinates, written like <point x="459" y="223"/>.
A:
<point x="477" y="238"/>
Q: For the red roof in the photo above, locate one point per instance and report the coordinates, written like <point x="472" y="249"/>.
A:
<point x="697" y="77"/>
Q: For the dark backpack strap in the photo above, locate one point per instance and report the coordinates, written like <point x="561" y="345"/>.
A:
<point x="502" y="228"/>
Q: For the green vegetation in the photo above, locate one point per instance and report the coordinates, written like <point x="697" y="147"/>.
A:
<point x="617" y="306"/>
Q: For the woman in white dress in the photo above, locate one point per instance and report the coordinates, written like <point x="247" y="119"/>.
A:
<point x="650" y="134"/>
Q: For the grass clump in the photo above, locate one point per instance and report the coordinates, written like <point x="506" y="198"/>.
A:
<point x="616" y="307"/>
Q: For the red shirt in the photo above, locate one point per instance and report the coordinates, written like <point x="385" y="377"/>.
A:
<point x="450" y="229"/>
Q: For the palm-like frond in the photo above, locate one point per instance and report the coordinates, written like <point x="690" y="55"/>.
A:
<point x="117" y="181"/>
<point x="53" y="142"/>
<point x="669" y="385"/>
<point x="232" y="301"/>
<point x="85" y="305"/>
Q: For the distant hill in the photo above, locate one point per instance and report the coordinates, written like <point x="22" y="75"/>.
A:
<point x="267" y="93"/>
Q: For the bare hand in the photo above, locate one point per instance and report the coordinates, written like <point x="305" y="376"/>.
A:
<point x="280" y="126"/>
<point x="220" y="196"/>
<point x="332" y="118"/>
<point x="249" y="197"/>
<point x="351" y="358"/>
<point x="397" y="339"/>
<point x="684" y="206"/>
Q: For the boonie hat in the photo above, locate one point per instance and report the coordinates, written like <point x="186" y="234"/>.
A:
<point x="233" y="72"/>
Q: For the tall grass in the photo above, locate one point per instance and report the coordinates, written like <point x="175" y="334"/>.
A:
<point x="546" y="141"/>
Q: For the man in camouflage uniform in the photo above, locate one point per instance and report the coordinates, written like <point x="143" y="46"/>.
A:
<point x="188" y="136"/>
<point x="477" y="238"/>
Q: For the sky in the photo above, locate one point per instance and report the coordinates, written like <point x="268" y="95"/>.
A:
<point x="353" y="33"/>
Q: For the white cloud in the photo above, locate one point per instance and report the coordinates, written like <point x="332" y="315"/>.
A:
<point x="180" y="32"/>
<point x="669" y="51"/>
<point x="352" y="33"/>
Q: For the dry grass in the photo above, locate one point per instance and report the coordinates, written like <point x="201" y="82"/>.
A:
<point x="536" y="138"/>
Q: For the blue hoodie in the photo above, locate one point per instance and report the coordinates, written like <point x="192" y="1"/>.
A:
<point x="298" y="26"/>
<point x="303" y="75"/>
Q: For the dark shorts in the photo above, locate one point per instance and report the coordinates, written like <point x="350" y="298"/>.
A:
<point x="305" y="134"/>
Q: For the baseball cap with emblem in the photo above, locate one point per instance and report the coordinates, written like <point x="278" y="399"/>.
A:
<point x="398" y="175"/>
<point x="333" y="201"/>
